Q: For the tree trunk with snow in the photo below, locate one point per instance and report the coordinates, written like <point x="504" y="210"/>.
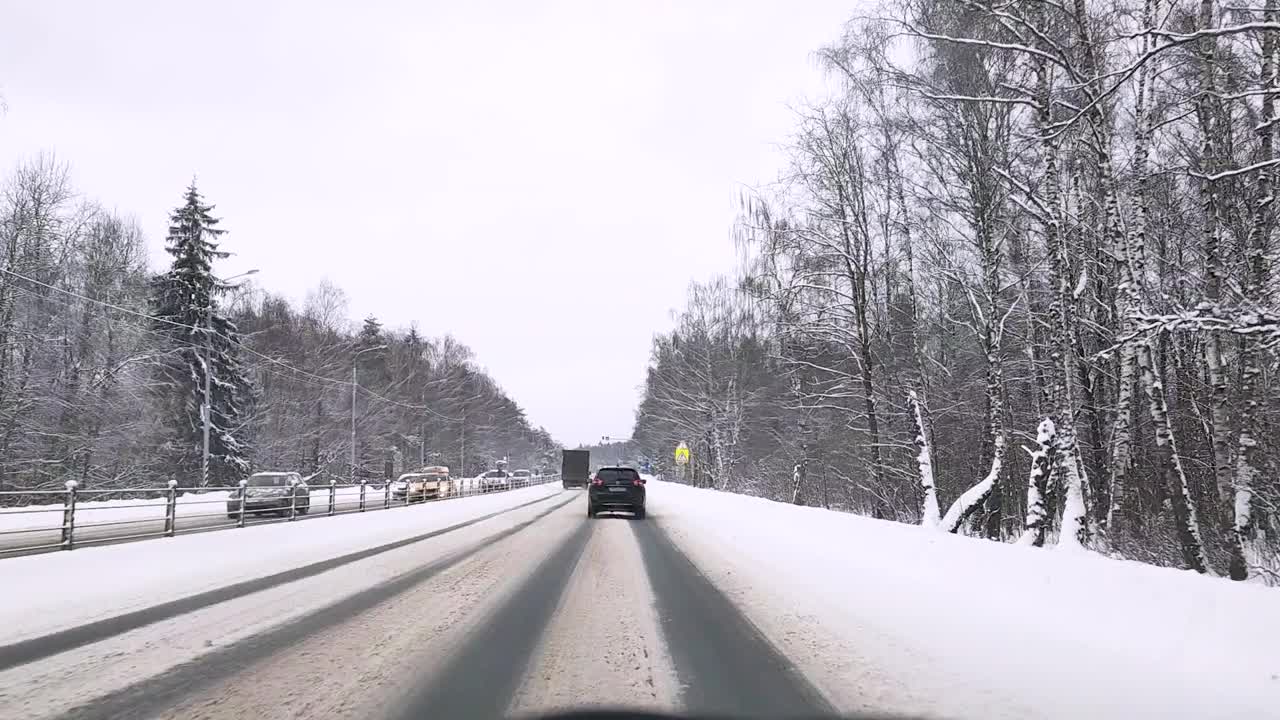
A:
<point x="924" y="460"/>
<point x="988" y="491"/>
<point x="1130" y="249"/>
<point x="972" y="500"/>
<point x="1042" y="460"/>
<point x="1062" y="343"/>
<point x="856" y="239"/>
<point x="1257" y="280"/>
<point x="1121" y="437"/>
<point x="1170" y="464"/>
<point x="993" y="347"/>
<point x="1208" y="115"/>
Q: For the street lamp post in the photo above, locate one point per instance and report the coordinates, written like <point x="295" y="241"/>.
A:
<point x="355" y="359"/>
<point x="206" y="408"/>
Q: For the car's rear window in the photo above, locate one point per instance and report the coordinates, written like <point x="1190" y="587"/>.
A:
<point x="612" y="474"/>
<point x="268" y="480"/>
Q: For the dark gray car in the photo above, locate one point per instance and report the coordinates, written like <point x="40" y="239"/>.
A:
<point x="271" y="492"/>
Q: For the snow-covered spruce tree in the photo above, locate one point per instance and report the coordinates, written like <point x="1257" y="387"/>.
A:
<point x="199" y="339"/>
<point x="1042" y="462"/>
<point x="370" y="332"/>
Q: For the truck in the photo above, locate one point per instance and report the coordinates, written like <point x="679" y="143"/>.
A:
<point x="575" y="468"/>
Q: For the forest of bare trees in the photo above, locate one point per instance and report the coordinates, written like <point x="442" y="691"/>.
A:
<point x="1015" y="283"/>
<point x="102" y="357"/>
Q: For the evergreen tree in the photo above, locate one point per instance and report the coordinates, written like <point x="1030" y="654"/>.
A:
<point x="373" y="369"/>
<point x="199" y="339"/>
<point x="370" y="332"/>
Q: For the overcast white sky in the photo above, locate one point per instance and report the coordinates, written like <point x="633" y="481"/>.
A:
<point x="541" y="179"/>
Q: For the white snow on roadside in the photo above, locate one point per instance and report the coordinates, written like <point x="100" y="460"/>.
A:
<point x="890" y="617"/>
<point x="54" y="591"/>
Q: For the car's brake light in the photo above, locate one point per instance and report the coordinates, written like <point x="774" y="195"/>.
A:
<point x="638" y="482"/>
<point x="597" y="481"/>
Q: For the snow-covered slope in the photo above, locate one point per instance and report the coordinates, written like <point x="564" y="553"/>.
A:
<point x="969" y="628"/>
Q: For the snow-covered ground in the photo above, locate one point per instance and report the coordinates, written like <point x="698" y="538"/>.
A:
<point x="872" y="610"/>
<point x="73" y="588"/>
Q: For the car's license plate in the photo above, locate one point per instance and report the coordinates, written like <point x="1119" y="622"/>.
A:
<point x="617" y="489"/>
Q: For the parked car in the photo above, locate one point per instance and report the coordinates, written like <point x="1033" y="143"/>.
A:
<point x="495" y="480"/>
<point x="521" y="478"/>
<point x="616" y="488"/>
<point x="271" y="492"/>
<point x="426" y="484"/>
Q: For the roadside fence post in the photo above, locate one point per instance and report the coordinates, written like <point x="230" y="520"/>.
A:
<point x="293" y="500"/>
<point x="244" y="490"/>
<point x="69" y="515"/>
<point x="386" y="492"/>
<point x="333" y="493"/>
<point x="171" y="509"/>
<point x="362" y="496"/>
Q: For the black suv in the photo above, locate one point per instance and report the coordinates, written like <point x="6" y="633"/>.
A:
<point x="616" y="488"/>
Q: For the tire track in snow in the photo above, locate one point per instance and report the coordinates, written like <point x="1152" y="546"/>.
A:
<point x="603" y="646"/>
<point x="726" y="666"/>
<point x="481" y="679"/>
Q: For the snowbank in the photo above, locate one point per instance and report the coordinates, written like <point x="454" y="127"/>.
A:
<point x="61" y="590"/>
<point x="980" y="629"/>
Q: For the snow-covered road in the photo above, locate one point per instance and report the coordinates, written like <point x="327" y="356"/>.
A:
<point x="518" y="603"/>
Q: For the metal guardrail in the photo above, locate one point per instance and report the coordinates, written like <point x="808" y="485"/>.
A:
<point x="174" y="511"/>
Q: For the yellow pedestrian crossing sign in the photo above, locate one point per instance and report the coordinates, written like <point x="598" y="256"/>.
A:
<point x="682" y="454"/>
